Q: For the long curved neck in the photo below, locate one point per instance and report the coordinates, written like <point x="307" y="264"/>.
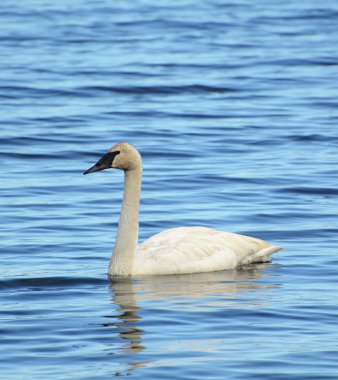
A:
<point x="122" y="260"/>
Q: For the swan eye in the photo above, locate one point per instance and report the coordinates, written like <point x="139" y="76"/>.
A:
<point x="105" y="162"/>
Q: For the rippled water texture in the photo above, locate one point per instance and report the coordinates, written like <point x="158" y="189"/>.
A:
<point x="233" y="105"/>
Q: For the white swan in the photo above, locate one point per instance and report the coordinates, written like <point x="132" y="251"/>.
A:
<point x="177" y="250"/>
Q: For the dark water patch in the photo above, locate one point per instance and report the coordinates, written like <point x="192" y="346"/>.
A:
<point x="61" y="121"/>
<point x="201" y="65"/>
<point x="122" y="72"/>
<point x="14" y="92"/>
<point x="320" y="191"/>
<point x="298" y="62"/>
<point x="174" y="154"/>
<point x="309" y="14"/>
<point x="247" y="180"/>
<point x="149" y="114"/>
<point x="39" y="140"/>
<point x="201" y="115"/>
<point x="326" y="104"/>
<point x="311" y="138"/>
<point x="61" y="155"/>
<point x="161" y="90"/>
<point x="41" y="283"/>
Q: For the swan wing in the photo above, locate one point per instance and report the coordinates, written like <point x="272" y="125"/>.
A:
<point x="198" y="249"/>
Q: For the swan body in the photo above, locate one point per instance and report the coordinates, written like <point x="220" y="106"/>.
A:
<point x="177" y="250"/>
<point x="198" y="249"/>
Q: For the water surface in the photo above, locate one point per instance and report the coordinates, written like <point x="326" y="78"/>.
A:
<point x="233" y="107"/>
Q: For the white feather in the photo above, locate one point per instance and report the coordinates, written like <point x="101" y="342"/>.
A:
<point x="198" y="249"/>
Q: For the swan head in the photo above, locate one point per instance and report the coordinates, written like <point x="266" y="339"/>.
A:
<point x="123" y="156"/>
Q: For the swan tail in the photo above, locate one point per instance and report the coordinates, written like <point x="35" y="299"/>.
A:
<point x="262" y="256"/>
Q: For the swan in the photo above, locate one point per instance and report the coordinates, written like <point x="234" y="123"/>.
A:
<point x="179" y="250"/>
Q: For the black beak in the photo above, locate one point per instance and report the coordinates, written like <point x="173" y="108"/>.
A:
<point x="105" y="162"/>
<point x="96" y="168"/>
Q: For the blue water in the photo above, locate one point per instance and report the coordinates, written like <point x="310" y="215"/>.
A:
<point x="233" y="105"/>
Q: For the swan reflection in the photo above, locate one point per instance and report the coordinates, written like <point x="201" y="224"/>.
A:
<point x="194" y="292"/>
